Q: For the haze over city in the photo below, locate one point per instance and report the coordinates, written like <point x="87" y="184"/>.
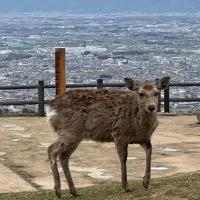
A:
<point x="92" y="6"/>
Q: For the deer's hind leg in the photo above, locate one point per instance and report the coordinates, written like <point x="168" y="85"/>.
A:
<point x="53" y="151"/>
<point x="64" y="160"/>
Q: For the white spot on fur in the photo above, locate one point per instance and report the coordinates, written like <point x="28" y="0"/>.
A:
<point x="50" y="112"/>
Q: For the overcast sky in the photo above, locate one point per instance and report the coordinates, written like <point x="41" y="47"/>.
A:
<point x="88" y="6"/>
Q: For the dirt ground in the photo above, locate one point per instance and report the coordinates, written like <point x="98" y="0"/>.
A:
<point x="24" y="165"/>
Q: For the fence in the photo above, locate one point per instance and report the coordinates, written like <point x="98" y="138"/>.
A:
<point x="99" y="84"/>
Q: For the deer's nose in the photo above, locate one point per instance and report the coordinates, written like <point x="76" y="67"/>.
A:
<point x="152" y="108"/>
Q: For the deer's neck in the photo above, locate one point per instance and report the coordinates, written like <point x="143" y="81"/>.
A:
<point x="148" y="121"/>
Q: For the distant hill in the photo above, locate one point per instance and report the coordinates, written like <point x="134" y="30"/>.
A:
<point x="91" y="6"/>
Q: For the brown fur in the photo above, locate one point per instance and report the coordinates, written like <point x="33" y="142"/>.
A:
<point x="104" y="116"/>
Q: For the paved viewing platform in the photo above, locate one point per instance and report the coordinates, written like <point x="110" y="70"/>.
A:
<point x="24" y="165"/>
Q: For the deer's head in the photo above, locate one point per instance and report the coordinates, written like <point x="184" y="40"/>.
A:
<point x="147" y="92"/>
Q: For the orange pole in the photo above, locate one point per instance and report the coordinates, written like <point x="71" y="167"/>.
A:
<point x="60" y="70"/>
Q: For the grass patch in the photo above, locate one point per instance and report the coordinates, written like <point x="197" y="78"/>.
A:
<point x="185" y="186"/>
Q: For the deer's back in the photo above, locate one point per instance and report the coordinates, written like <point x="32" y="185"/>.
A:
<point x="95" y="114"/>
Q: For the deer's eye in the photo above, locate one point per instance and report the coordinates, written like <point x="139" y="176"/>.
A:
<point x="141" y="94"/>
<point x="156" y="94"/>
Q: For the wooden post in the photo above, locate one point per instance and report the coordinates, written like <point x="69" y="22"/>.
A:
<point x="60" y="70"/>
<point x="41" y="98"/>
<point x="166" y="100"/>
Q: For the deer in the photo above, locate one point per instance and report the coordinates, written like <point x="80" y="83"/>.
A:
<point x="104" y="115"/>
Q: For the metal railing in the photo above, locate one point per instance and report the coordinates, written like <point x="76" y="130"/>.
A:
<point x="99" y="84"/>
<point x="167" y="98"/>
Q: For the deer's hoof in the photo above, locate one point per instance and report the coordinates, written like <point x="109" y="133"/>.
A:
<point x="58" y="194"/>
<point x="74" y="193"/>
<point x="127" y="190"/>
<point x="146" y="185"/>
<point x="146" y="182"/>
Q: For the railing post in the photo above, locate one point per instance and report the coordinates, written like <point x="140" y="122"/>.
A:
<point x="99" y="83"/>
<point x="41" y="98"/>
<point x="166" y="100"/>
<point x="159" y="102"/>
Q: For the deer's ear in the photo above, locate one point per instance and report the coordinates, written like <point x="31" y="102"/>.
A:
<point x="163" y="83"/>
<point x="130" y="83"/>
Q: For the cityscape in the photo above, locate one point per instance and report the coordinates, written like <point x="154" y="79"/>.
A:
<point x="109" y="46"/>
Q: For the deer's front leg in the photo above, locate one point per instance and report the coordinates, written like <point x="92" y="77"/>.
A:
<point x="122" y="153"/>
<point x="148" y="150"/>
